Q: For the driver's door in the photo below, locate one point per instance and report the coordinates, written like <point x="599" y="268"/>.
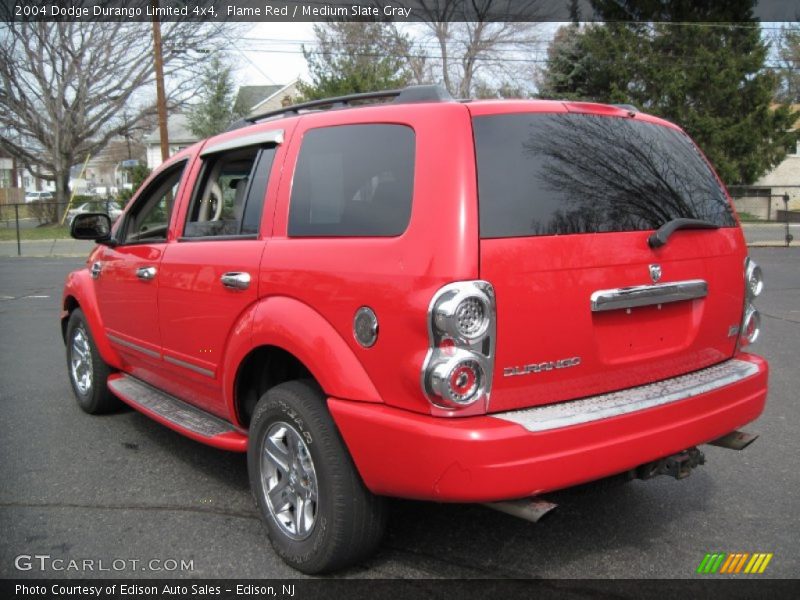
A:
<point x="127" y="274"/>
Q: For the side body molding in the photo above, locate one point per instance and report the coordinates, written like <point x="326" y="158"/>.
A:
<point x="79" y="285"/>
<point x="298" y="329"/>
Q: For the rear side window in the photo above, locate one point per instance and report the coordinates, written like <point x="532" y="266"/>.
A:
<point x="551" y="174"/>
<point x="353" y="180"/>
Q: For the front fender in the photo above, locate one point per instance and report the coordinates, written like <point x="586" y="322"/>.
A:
<point x="80" y="287"/>
<point x="300" y="330"/>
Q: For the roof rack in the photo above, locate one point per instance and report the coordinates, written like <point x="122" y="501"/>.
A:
<point x="628" y="107"/>
<point x="409" y="95"/>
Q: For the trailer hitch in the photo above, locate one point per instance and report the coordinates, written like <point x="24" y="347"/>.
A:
<point x="678" y="465"/>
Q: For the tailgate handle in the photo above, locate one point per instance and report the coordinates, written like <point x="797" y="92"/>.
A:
<point x="647" y="295"/>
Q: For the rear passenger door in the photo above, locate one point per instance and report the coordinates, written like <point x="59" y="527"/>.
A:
<point x="209" y="276"/>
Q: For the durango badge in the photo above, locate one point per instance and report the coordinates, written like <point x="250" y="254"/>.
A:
<point x="564" y="363"/>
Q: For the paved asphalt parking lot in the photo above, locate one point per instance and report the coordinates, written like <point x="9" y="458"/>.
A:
<point x="123" y="487"/>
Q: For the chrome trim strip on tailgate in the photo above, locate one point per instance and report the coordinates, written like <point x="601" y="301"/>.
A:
<point x="646" y="295"/>
<point x="614" y="404"/>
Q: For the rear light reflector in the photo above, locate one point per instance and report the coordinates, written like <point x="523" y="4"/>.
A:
<point x="750" y="329"/>
<point x="458" y="367"/>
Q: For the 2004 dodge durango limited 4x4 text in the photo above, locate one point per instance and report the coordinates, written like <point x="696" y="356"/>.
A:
<point x="406" y="295"/>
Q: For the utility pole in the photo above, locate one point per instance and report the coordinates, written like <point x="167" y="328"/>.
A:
<point x="160" y="96"/>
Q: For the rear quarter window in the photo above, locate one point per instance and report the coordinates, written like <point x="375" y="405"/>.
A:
<point x="353" y="180"/>
<point x="552" y="174"/>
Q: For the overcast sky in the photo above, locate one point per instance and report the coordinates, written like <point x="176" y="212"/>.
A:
<point x="270" y="53"/>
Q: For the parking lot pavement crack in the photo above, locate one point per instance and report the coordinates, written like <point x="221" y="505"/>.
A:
<point x="492" y="572"/>
<point x="781" y="318"/>
<point x="239" y="514"/>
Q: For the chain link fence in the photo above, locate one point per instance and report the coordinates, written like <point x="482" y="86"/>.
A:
<point x="39" y="227"/>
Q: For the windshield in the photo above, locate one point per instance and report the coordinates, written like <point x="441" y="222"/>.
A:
<point x="551" y="174"/>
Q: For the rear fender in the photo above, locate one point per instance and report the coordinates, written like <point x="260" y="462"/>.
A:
<point x="301" y="331"/>
<point x="79" y="287"/>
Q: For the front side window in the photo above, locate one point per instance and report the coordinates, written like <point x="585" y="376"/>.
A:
<point x="149" y="217"/>
<point x="353" y="180"/>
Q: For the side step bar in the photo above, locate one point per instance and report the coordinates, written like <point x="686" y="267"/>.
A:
<point x="177" y="414"/>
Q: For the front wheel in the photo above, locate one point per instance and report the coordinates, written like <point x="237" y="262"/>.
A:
<point x="87" y="370"/>
<point x="318" y="513"/>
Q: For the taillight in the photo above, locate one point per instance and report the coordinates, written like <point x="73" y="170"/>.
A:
<point x="750" y="328"/>
<point x="461" y="328"/>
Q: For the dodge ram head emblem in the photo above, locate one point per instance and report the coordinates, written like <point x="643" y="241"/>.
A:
<point x="655" y="272"/>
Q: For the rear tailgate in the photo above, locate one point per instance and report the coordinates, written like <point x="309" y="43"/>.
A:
<point x="567" y="203"/>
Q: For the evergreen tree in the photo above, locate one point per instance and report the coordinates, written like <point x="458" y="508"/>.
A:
<point x="789" y="57"/>
<point x="354" y="57"/>
<point x="698" y="63"/>
<point x="214" y="112"/>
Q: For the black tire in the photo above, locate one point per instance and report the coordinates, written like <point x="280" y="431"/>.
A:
<point x="91" y="393"/>
<point x="348" y="521"/>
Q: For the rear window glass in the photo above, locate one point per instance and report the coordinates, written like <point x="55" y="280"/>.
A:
<point x="353" y="180"/>
<point x="551" y="174"/>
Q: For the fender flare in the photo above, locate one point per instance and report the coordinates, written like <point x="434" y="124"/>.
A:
<point x="79" y="287"/>
<point x="298" y="329"/>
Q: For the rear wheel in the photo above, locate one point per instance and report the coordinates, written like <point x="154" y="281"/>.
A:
<point x="318" y="513"/>
<point x="87" y="371"/>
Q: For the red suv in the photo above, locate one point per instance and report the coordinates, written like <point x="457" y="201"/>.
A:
<point x="424" y="298"/>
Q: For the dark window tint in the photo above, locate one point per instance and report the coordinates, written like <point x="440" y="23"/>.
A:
<point x="353" y="180"/>
<point x="550" y="174"/>
<point x="258" y="189"/>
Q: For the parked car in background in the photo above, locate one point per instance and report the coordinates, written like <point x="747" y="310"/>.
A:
<point x="109" y="207"/>
<point x="477" y="301"/>
<point x="39" y="196"/>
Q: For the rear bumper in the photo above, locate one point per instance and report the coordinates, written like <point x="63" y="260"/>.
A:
<point x="490" y="458"/>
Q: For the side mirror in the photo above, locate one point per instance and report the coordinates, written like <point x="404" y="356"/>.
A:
<point x="91" y="226"/>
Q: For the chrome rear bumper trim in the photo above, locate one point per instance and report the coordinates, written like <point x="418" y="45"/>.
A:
<point x="647" y="295"/>
<point x="614" y="404"/>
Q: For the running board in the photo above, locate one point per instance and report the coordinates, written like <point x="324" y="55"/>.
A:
<point x="176" y="414"/>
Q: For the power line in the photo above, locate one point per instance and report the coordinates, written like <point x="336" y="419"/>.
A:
<point x="664" y="58"/>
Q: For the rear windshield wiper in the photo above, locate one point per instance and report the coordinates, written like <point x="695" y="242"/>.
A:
<point x="661" y="235"/>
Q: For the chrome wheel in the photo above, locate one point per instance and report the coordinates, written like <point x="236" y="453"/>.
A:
<point x="289" y="481"/>
<point x="81" y="361"/>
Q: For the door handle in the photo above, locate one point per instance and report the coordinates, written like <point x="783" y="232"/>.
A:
<point x="97" y="268"/>
<point x="235" y="280"/>
<point x="146" y="273"/>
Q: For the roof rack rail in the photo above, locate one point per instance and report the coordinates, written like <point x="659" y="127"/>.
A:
<point x="409" y="95"/>
<point x="628" y="107"/>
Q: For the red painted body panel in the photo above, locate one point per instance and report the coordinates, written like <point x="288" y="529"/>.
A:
<point x="544" y="284"/>
<point x="197" y="313"/>
<point x="396" y="276"/>
<point x="300" y="330"/>
<point x="484" y="459"/>
<point x="78" y="287"/>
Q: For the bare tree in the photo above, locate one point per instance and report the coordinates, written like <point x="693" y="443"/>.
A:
<point x="67" y="88"/>
<point x="479" y="43"/>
